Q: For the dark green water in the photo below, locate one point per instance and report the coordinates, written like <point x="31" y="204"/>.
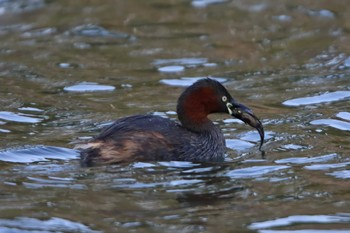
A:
<point x="288" y="60"/>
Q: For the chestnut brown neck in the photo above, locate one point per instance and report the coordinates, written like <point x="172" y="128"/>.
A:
<point x="193" y="109"/>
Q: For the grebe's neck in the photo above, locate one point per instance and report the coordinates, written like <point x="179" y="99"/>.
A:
<point x="193" y="109"/>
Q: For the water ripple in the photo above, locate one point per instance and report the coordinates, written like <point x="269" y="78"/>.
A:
<point x="40" y="32"/>
<point x="187" y="81"/>
<point x="318" y="99"/>
<point x="91" y="30"/>
<point x="171" y="69"/>
<point x="19" y="117"/>
<point x="305" y="231"/>
<point x="345" y="174"/>
<point x="54" y="224"/>
<point x="298" y="219"/>
<point x="181" y="61"/>
<point x="20" y="6"/>
<point x="88" y="87"/>
<point x="326" y="166"/>
<point x="253" y="136"/>
<point x="344" y="115"/>
<point x="205" y="3"/>
<point x="254" y="172"/>
<point x="30" y="109"/>
<point x="337" y="124"/>
<point x="304" y="160"/>
<point x="292" y="146"/>
<point x="238" y="145"/>
<point x="52" y="182"/>
<point x="37" y="153"/>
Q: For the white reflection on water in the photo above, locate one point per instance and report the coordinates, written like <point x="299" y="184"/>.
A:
<point x="345" y="174"/>
<point x="52" y="182"/>
<point x="303" y="160"/>
<point x="89" y="87"/>
<point x="4" y="131"/>
<point x="171" y="69"/>
<point x="254" y="172"/>
<point x="337" y="124"/>
<point x="37" y="153"/>
<point x="19" y="117"/>
<point x="305" y="231"/>
<point x="238" y="145"/>
<point x="318" y="99"/>
<point x="181" y="61"/>
<point x="92" y="30"/>
<point x="344" y="115"/>
<point x="298" y="219"/>
<point x="187" y="81"/>
<point x="205" y="3"/>
<point x="326" y="166"/>
<point x="26" y="225"/>
<point x="30" y="109"/>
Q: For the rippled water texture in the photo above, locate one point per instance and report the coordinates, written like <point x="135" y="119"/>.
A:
<point x="69" y="68"/>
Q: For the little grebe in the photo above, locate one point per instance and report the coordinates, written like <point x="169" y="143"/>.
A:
<point x="149" y="137"/>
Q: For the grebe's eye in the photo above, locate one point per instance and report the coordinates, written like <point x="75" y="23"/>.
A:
<point x="224" y="99"/>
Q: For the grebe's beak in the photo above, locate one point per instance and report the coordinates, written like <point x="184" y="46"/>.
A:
<point x="246" y="115"/>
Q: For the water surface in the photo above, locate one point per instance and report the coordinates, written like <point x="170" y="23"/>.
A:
<point x="69" y="68"/>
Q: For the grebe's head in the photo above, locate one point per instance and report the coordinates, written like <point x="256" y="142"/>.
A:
<point x="208" y="96"/>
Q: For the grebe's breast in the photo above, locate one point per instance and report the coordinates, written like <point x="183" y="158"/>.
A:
<point x="150" y="138"/>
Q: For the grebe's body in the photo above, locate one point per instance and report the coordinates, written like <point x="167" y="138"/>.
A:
<point x="149" y="137"/>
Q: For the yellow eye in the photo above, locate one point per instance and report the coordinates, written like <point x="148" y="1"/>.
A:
<point x="224" y="99"/>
